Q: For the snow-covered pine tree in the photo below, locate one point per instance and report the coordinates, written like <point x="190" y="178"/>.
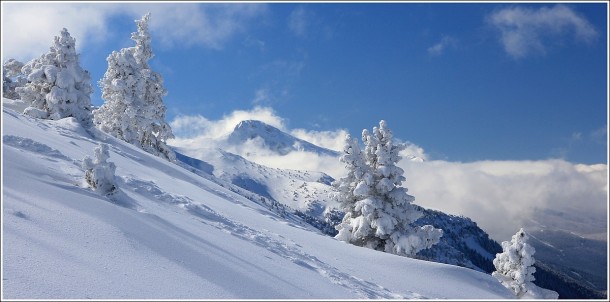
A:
<point x="12" y="78"/>
<point x="99" y="173"/>
<point x="379" y="212"/>
<point x="57" y="87"/>
<point x="133" y="93"/>
<point x="344" y="187"/>
<point x="356" y="168"/>
<point x="515" y="270"/>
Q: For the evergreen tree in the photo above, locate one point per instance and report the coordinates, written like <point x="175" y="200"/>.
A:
<point x="379" y="212"/>
<point x="133" y="109"/>
<point x="57" y="87"/>
<point x="515" y="268"/>
<point x="356" y="169"/>
<point x="12" y="78"/>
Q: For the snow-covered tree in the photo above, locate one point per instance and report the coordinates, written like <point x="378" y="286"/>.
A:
<point x="133" y="93"/>
<point x="57" y="87"/>
<point x="515" y="270"/>
<point x="379" y="212"/>
<point x="99" y="173"/>
<point x="356" y="170"/>
<point x="12" y="78"/>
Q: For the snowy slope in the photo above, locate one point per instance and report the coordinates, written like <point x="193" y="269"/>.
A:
<point x="170" y="233"/>
<point x="298" y="190"/>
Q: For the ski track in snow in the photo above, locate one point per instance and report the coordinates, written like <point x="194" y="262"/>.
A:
<point x="289" y="251"/>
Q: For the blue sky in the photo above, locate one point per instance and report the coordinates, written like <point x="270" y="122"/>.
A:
<point x="465" y="81"/>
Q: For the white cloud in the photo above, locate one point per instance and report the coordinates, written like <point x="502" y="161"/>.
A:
<point x="256" y="43"/>
<point x="525" y="31"/>
<point x="261" y="96"/>
<point x="28" y="28"/>
<point x="304" y="22"/>
<point x="332" y="140"/>
<point x="25" y="35"/>
<point x="199" y="127"/>
<point x="502" y="196"/>
<point x="209" y="25"/>
<point x="600" y="135"/>
<point x="298" y="21"/>
<point x="254" y="150"/>
<point x="438" y="48"/>
<point x="278" y="78"/>
<point x="413" y="152"/>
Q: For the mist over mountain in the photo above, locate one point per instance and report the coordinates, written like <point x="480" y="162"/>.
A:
<point x="272" y="139"/>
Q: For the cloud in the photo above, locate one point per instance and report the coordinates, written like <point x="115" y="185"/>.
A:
<point x="600" y="135"/>
<point x="438" y="48"/>
<point x="277" y="77"/>
<point x="26" y="35"/>
<point x="413" y="152"/>
<point x="255" y="43"/>
<point x="254" y="150"/>
<point x="208" y="25"/>
<point x="502" y="196"/>
<point x="303" y="23"/>
<point x="525" y="31"/>
<point x="333" y="140"/>
<point x="299" y="20"/>
<point x="199" y="127"/>
<point x="261" y="96"/>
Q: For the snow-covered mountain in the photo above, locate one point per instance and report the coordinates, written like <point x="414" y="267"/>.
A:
<point x="171" y="233"/>
<point x="272" y="139"/>
<point x="305" y="194"/>
<point x="304" y="191"/>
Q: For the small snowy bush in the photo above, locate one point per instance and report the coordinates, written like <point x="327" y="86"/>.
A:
<point x="133" y="108"/>
<point x="378" y="210"/>
<point x="514" y="268"/>
<point x="57" y="86"/>
<point x="99" y="173"/>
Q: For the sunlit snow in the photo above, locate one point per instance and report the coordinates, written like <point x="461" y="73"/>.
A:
<point x="170" y="233"/>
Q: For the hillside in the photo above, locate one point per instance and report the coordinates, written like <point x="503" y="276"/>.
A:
<point x="170" y="233"/>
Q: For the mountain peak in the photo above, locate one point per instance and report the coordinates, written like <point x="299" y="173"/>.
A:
<point x="273" y="138"/>
<point x="253" y="124"/>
